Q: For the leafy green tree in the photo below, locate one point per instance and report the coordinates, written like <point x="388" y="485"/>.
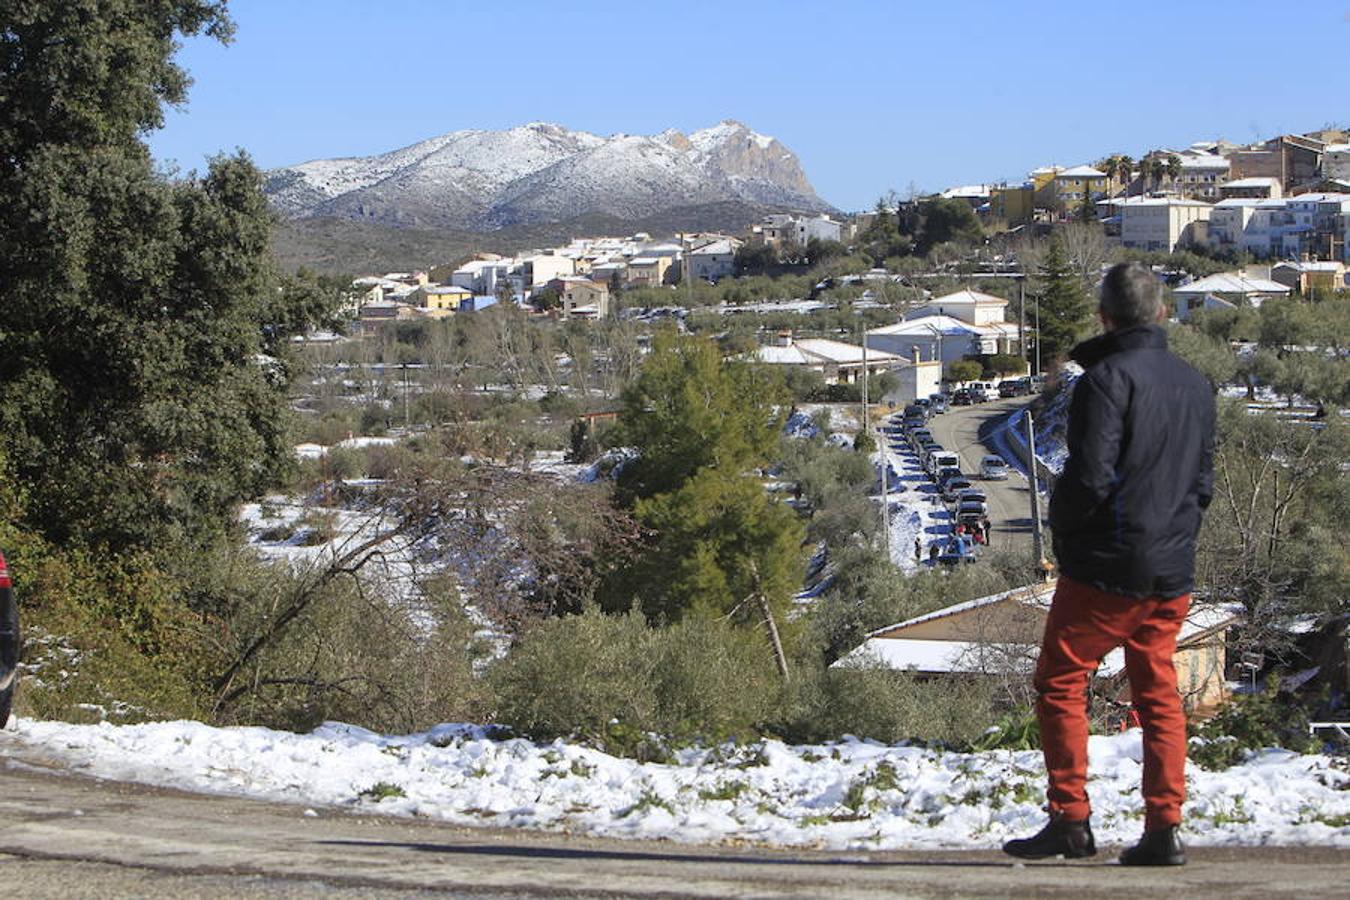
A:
<point x="963" y="370"/>
<point x="548" y="298"/>
<point x="1006" y="364"/>
<point x="947" y="220"/>
<point x="143" y="362"/>
<point x="755" y="259"/>
<point x="1065" y="311"/>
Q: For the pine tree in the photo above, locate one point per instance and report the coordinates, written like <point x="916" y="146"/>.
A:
<point x="719" y="544"/>
<point x="1065" y="310"/>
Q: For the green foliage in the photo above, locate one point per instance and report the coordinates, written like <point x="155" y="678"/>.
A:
<point x="578" y="674"/>
<point x="886" y="705"/>
<point x="689" y="410"/>
<point x="1248" y="723"/>
<point x="963" y="370"/>
<point x="1065" y="310"/>
<point x="134" y="398"/>
<point x="382" y="790"/>
<point x="946" y="220"/>
<point x="720" y="542"/>
<point x="1005" y="364"/>
<point x="755" y="259"/>
<point x="864" y="442"/>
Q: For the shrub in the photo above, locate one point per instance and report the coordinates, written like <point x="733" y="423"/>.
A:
<point x="607" y="677"/>
<point x="879" y="703"/>
<point x="1248" y="723"/>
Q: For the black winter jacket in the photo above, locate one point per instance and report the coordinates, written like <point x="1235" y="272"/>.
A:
<point x="1126" y="510"/>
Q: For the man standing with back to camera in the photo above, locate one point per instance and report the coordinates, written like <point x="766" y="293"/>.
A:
<point x="1125" y="514"/>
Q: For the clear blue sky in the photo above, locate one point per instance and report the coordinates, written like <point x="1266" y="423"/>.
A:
<point x="870" y="95"/>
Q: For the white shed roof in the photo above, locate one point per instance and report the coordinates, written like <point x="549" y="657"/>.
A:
<point x="1231" y="283"/>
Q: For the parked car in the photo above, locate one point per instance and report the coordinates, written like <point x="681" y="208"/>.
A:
<point x="1036" y="383"/>
<point x="956" y="551"/>
<point x="952" y="488"/>
<point x="971" y="509"/>
<point x="945" y="474"/>
<point x="926" y="405"/>
<point x="939" y="403"/>
<point x="1013" y="388"/>
<point x="920" y="436"/>
<point x="9" y="643"/>
<point x="961" y="397"/>
<point x="972" y="493"/>
<point x="993" y="468"/>
<point x="983" y="392"/>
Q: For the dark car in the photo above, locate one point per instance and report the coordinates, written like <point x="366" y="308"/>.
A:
<point x="9" y="643"/>
<point x="1012" y="388"/>
<point x="962" y="397"/>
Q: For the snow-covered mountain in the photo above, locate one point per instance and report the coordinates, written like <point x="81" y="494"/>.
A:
<point x="483" y="180"/>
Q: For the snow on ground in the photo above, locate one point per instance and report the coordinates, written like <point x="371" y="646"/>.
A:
<point x="852" y="794"/>
<point x="916" y="510"/>
<point x="844" y="417"/>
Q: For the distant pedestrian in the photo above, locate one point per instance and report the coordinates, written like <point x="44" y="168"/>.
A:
<point x="918" y="550"/>
<point x="985" y="529"/>
<point x="933" y="553"/>
<point x="1125" y="513"/>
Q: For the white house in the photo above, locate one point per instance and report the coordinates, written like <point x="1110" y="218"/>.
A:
<point x="1162" y="223"/>
<point x="1235" y="288"/>
<point x="838" y="362"/>
<point x="974" y="307"/>
<point x="713" y="261"/>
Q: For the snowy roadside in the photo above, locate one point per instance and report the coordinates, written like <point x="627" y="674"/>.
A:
<point x="847" y="795"/>
<point x="913" y="506"/>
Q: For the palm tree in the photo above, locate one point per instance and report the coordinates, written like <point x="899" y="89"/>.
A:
<point x="1156" y="170"/>
<point x="1172" y="165"/>
<point x="1124" y="168"/>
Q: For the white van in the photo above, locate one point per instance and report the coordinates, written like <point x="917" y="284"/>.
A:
<point x="942" y="459"/>
<point x="985" y="389"/>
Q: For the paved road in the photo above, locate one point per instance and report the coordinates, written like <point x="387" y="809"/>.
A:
<point x="69" y="837"/>
<point x="1009" y="501"/>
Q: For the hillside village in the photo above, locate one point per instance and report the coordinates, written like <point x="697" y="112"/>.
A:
<point x="1279" y="209"/>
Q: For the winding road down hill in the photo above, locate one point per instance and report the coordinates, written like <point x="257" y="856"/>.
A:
<point x="963" y="430"/>
<point x="70" y="837"/>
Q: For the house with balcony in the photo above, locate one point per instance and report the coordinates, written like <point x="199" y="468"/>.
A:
<point x="1070" y="188"/>
<point x="1202" y="176"/>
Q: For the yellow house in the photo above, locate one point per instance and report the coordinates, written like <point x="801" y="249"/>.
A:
<point x="440" y="296"/>
<point x="1071" y="187"/>
<point x="1001" y="634"/>
<point x="1013" y="205"/>
<point x="648" y="271"/>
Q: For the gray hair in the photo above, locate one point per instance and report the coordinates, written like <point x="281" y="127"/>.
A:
<point x="1131" y="295"/>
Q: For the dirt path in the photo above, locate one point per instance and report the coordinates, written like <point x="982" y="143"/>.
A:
<point x="71" y="837"/>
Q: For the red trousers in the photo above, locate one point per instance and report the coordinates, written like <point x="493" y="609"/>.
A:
<point x="1084" y="625"/>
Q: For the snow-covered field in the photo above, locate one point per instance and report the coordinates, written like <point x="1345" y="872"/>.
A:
<point x="852" y="794"/>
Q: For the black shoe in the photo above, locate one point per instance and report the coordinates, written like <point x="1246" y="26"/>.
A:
<point x="1060" y="837"/>
<point x="1157" y="848"/>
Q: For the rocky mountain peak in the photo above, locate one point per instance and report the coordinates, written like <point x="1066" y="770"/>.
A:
<point x="542" y="172"/>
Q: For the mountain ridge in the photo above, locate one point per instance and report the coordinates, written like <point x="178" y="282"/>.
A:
<point x="480" y="180"/>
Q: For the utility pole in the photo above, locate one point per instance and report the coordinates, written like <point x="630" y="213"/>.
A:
<point x="1037" y="540"/>
<point x="1022" y="317"/>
